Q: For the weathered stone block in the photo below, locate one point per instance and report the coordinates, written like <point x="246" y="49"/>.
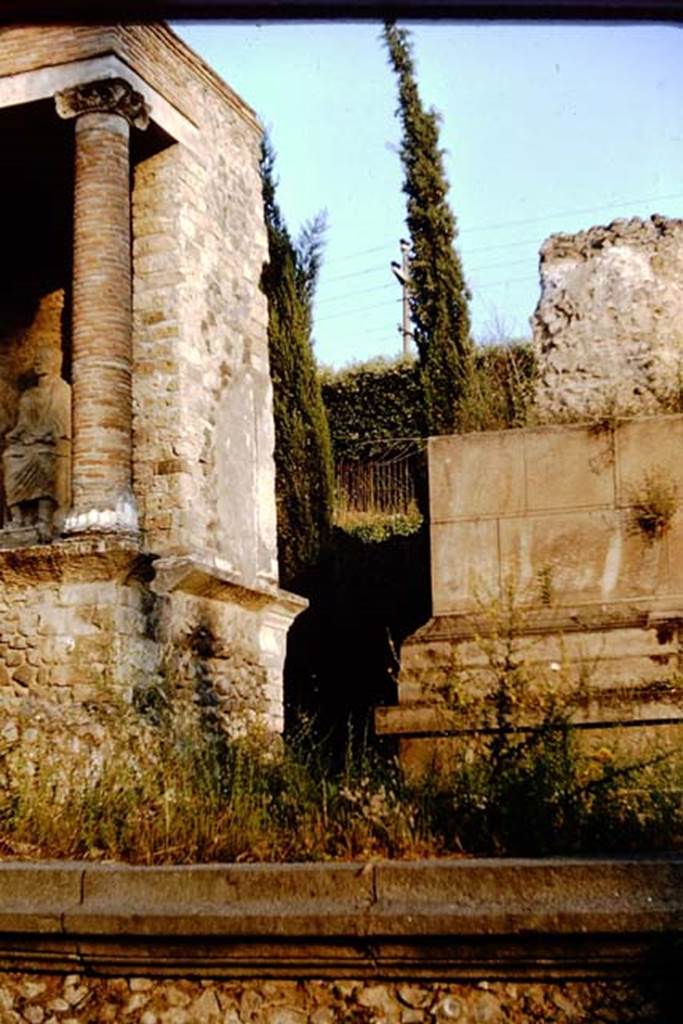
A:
<point x="581" y="593"/>
<point x="465" y="564"/>
<point x="482" y="476"/>
<point x="567" y="468"/>
<point x="648" y="447"/>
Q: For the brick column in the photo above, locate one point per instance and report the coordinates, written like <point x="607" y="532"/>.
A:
<point x="102" y="298"/>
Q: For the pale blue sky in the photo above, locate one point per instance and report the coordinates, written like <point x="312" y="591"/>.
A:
<point x="546" y="128"/>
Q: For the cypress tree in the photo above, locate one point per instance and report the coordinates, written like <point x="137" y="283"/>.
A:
<point x="439" y="297"/>
<point x="304" y="478"/>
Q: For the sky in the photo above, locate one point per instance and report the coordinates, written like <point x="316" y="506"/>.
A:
<point x="545" y="128"/>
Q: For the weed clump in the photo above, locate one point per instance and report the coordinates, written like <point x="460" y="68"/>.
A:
<point x="654" y="503"/>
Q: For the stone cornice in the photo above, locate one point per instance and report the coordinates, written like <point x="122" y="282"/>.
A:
<point x="203" y="574"/>
<point x="108" y="96"/>
<point x="479" y="919"/>
<point x="71" y="560"/>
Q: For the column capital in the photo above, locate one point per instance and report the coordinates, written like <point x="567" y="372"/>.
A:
<point x="108" y="96"/>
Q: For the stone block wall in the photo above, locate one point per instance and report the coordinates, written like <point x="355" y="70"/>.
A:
<point x="534" y="534"/>
<point x="555" y="501"/>
<point x="608" y="328"/>
<point x="483" y="941"/>
<point x="78" y="630"/>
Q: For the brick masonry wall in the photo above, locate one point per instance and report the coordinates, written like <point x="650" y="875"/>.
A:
<point x="82" y="999"/>
<point x="161" y="57"/>
<point x="203" y="429"/>
<point x="203" y="438"/>
<point x="607" y="330"/>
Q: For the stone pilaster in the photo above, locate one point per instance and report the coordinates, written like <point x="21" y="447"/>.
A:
<point x="101" y="314"/>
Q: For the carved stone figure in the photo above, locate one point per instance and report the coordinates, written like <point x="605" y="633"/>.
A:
<point x="37" y="456"/>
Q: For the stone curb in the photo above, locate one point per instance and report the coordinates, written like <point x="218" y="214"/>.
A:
<point x="467" y="918"/>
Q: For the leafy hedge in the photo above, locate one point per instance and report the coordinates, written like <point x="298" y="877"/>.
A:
<point x="383" y="400"/>
<point x="380" y="400"/>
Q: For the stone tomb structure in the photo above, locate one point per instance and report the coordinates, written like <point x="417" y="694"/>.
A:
<point x="545" y="520"/>
<point x="537" y="553"/>
<point x="137" y="522"/>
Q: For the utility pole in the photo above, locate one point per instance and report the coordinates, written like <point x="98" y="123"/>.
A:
<point x="401" y="272"/>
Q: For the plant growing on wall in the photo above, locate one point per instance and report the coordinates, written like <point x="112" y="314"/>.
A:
<point x="303" y="456"/>
<point x="438" y="297"/>
<point x="653" y="505"/>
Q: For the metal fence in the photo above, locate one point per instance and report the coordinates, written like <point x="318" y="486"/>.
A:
<point x="384" y="484"/>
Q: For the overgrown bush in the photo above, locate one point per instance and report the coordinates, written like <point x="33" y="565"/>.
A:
<point x="519" y="776"/>
<point x="375" y="528"/>
<point x="654" y="503"/>
<point x="371" y="404"/>
<point x="502" y="389"/>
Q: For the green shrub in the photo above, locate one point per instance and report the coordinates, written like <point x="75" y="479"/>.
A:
<point x="372" y="403"/>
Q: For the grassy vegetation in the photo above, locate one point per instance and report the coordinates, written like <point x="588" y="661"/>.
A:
<point x="376" y="527"/>
<point x="162" y="788"/>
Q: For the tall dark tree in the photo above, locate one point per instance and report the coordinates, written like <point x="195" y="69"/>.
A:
<point x="303" y="453"/>
<point x="439" y="297"/>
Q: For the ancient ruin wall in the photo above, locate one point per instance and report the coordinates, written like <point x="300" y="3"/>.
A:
<point x="486" y="941"/>
<point x="196" y="593"/>
<point x="608" y="328"/>
<point x="203" y="430"/>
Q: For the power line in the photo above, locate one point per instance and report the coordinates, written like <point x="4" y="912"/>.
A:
<point x="385" y="305"/>
<point x="357" y="273"/>
<point x="383" y="287"/>
<point x="519" y="223"/>
<point x="380" y="268"/>
<point x="495" y="266"/>
<point x="497" y="284"/>
<point x="362" y="252"/>
<point x="363" y="291"/>
<point x="350" y="312"/>
<point x="503" y="245"/>
<point x="568" y="213"/>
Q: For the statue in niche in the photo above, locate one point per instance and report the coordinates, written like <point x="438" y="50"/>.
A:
<point x="37" y="456"/>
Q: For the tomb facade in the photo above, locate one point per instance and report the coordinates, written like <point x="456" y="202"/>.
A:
<point x="556" y="549"/>
<point x="137" y="530"/>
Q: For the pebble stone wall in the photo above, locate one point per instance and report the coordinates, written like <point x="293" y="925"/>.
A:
<point x="79" y="999"/>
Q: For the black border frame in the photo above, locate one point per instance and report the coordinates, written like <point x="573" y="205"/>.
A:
<point x="41" y="11"/>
